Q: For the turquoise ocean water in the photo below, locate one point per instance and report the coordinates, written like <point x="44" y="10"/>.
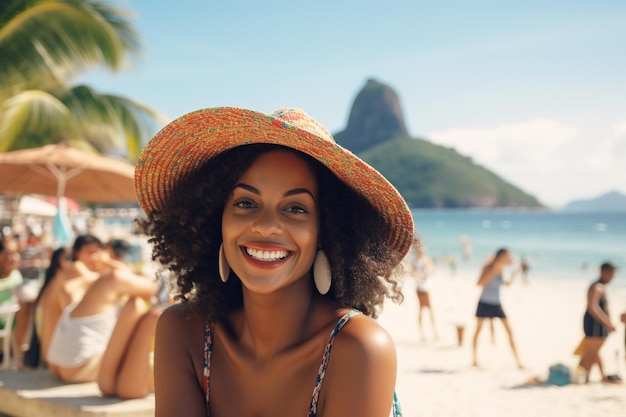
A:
<point x="559" y="245"/>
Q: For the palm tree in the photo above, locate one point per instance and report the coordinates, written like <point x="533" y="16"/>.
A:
<point x="44" y="45"/>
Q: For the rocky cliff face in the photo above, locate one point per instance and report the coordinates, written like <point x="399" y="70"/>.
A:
<point x="376" y="116"/>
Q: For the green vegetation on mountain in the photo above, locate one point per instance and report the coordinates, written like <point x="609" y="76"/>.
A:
<point x="432" y="176"/>
<point x="427" y="175"/>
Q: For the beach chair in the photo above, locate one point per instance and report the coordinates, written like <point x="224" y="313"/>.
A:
<point x="7" y="314"/>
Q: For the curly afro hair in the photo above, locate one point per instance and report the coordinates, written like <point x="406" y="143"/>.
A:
<point x="186" y="235"/>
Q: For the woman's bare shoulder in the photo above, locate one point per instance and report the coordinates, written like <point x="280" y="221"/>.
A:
<point x="364" y="336"/>
<point x="180" y="329"/>
<point x="179" y="357"/>
<point x="180" y="324"/>
<point x="182" y="315"/>
<point x="362" y="367"/>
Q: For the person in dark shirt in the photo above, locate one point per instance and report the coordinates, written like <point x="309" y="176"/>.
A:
<point x="597" y="321"/>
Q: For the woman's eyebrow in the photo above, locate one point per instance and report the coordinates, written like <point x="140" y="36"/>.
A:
<point x="247" y="188"/>
<point x="299" y="191"/>
<point x="287" y="194"/>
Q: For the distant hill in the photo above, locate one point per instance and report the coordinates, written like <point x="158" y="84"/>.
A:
<point x="427" y="175"/>
<point x="611" y="201"/>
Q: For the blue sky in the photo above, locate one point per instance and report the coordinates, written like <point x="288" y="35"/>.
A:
<point x="534" y="91"/>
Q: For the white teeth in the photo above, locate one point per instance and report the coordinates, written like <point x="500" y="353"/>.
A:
<point x="263" y="255"/>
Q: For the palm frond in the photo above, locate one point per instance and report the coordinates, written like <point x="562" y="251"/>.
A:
<point x="52" y="41"/>
<point x="139" y="122"/>
<point x="43" y="45"/>
<point x="34" y="118"/>
<point x="115" y="125"/>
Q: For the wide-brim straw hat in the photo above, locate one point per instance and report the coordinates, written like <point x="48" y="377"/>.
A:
<point x="185" y="144"/>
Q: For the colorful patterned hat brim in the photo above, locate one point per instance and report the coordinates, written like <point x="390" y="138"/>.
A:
<point x="186" y="143"/>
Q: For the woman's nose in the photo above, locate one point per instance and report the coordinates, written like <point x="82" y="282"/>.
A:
<point x="267" y="223"/>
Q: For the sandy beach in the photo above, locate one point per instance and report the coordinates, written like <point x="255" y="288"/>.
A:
<point x="435" y="377"/>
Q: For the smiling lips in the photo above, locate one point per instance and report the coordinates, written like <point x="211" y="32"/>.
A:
<point x="265" y="255"/>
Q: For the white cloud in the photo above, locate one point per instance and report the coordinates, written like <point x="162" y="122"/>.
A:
<point x="549" y="159"/>
<point x="620" y="128"/>
<point x="610" y="152"/>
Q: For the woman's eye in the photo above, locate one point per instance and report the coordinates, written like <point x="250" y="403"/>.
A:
<point x="244" y="204"/>
<point x="297" y="210"/>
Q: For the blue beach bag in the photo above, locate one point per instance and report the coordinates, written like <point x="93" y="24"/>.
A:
<point x="559" y="375"/>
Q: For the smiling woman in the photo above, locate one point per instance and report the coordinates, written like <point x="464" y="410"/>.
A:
<point x="270" y="223"/>
<point x="278" y="239"/>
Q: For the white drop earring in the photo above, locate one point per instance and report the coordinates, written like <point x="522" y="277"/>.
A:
<point x="222" y="264"/>
<point x="321" y="272"/>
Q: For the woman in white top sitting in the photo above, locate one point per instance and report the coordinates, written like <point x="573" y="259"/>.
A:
<point x="98" y="324"/>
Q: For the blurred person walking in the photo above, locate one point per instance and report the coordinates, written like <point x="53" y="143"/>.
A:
<point x="489" y="304"/>
<point x="597" y="322"/>
<point x="422" y="269"/>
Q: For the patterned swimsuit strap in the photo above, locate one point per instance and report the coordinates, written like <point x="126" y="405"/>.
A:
<point x="324" y="364"/>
